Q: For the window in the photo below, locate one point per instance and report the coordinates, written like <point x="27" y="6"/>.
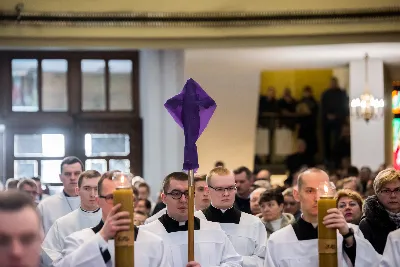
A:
<point x="106" y="145"/>
<point x="39" y="151"/>
<point x="25" y="85"/>
<point x="39" y="145"/>
<point x="93" y="85"/>
<point x="120" y="85"/>
<point x="106" y="148"/>
<point x="62" y="103"/>
<point x="25" y="168"/>
<point x="54" y="85"/>
<point x="106" y="85"/>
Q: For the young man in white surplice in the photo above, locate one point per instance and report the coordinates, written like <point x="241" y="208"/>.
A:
<point x="246" y="232"/>
<point x="94" y="247"/>
<point x="391" y="254"/>
<point x="87" y="215"/>
<point x="201" y="198"/>
<point x="211" y="245"/>
<point x="58" y="205"/>
<point x="296" y="245"/>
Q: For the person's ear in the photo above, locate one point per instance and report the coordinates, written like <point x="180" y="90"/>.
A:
<point x="296" y="194"/>
<point x="163" y="197"/>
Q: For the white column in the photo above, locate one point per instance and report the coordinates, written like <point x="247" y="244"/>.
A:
<point x="367" y="139"/>
<point x="161" y="77"/>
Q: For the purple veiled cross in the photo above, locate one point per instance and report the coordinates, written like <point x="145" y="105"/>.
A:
<point x="192" y="109"/>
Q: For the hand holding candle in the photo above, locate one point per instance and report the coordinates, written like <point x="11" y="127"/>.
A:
<point x="124" y="240"/>
<point x="327" y="239"/>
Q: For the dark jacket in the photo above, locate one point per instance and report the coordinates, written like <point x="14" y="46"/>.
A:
<point x="376" y="224"/>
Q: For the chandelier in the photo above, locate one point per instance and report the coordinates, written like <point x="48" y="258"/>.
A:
<point x="366" y="106"/>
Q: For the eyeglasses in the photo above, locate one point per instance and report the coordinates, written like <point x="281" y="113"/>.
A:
<point x="289" y="203"/>
<point x="223" y="189"/>
<point x="108" y="198"/>
<point x="389" y="192"/>
<point x="176" y="194"/>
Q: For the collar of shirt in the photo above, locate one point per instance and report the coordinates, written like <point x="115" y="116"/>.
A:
<point x="304" y="230"/>
<point x="172" y="225"/>
<point x="231" y="215"/>
<point x="89" y="211"/>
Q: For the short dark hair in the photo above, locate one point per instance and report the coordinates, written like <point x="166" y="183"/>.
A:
<point x="147" y="203"/>
<point x="15" y="200"/>
<point x="352" y="171"/>
<point x="200" y="178"/>
<point x="270" y="195"/>
<point x="180" y="176"/>
<point x="36" y="179"/>
<point x="106" y="176"/>
<point x="69" y="161"/>
<point x="219" y="164"/>
<point x="145" y="185"/>
<point x="239" y="170"/>
<point x="87" y="175"/>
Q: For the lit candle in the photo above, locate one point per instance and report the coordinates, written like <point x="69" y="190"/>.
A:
<point x="327" y="239"/>
<point x="124" y="240"/>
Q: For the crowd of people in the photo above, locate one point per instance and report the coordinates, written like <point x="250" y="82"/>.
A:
<point x="309" y="118"/>
<point x="241" y="219"/>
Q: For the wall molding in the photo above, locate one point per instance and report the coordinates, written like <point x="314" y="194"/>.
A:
<point x="20" y="16"/>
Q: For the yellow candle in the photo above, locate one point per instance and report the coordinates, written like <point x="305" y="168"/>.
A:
<point x="124" y="241"/>
<point x="327" y="239"/>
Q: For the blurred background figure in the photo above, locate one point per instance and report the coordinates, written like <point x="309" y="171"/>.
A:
<point x="350" y="203"/>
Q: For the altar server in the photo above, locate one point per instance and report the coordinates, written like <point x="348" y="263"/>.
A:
<point x="391" y="254"/>
<point x="94" y="247"/>
<point x="297" y="244"/>
<point x="211" y="245"/>
<point x="61" y="204"/>
<point x="201" y="198"/>
<point x="87" y="215"/>
<point x="246" y="232"/>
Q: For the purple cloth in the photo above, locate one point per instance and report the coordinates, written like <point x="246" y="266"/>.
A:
<point x="192" y="109"/>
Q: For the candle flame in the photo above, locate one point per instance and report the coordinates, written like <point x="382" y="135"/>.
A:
<point x="326" y="189"/>
<point x="122" y="179"/>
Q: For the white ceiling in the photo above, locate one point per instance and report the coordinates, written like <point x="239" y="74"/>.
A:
<point x="316" y="56"/>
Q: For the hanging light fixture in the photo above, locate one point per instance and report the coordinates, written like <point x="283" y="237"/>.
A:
<point x="366" y="106"/>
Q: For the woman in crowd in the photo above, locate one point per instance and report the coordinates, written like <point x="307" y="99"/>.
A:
<point x="349" y="202"/>
<point x="271" y="205"/>
<point x="382" y="210"/>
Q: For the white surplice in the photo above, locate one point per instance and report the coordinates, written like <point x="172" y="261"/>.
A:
<point x="248" y="237"/>
<point x="212" y="247"/>
<point x="56" y="206"/>
<point x="285" y="250"/>
<point x="391" y="254"/>
<point x="87" y="249"/>
<point x="156" y="216"/>
<point x="63" y="227"/>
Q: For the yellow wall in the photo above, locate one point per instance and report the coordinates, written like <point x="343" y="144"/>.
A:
<point x="318" y="79"/>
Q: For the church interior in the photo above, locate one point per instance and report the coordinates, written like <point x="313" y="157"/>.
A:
<point x="297" y="85"/>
